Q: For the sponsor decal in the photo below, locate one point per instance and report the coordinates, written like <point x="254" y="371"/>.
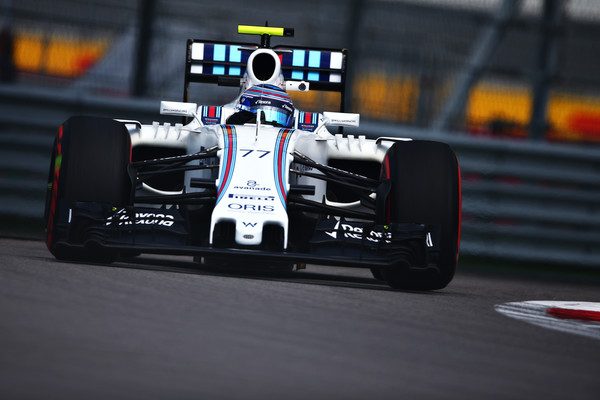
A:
<point x="121" y="218"/>
<point x="429" y="240"/>
<point x="211" y="115"/>
<point x="252" y="185"/>
<point x="250" y="207"/>
<point x="251" y="197"/>
<point x="308" y="121"/>
<point x="175" y="110"/>
<point x="249" y="224"/>
<point x="266" y="189"/>
<point x="303" y="168"/>
<point x="349" y="231"/>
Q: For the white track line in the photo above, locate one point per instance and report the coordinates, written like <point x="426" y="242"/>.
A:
<point x="534" y="312"/>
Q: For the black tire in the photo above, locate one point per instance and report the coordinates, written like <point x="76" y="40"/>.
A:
<point x="377" y="274"/>
<point x="89" y="164"/>
<point x="425" y="189"/>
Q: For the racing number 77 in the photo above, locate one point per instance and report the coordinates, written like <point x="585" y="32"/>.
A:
<point x="248" y="152"/>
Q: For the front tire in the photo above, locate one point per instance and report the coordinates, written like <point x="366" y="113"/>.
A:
<point x="89" y="164"/>
<point x="425" y="189"/>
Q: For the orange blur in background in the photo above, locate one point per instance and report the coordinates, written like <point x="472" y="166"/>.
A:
<point x="381" y="96"/>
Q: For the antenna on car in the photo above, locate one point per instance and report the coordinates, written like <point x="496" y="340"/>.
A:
<point x="265" y="32"/>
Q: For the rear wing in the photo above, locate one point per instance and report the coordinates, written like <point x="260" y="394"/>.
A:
<point x="224" y="63"/>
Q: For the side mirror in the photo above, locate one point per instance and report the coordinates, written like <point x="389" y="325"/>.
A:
<point x="341" y="119"/>
<point x="178" y="108"/>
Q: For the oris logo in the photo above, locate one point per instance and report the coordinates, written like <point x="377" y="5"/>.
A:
<point x="251" y="207"/>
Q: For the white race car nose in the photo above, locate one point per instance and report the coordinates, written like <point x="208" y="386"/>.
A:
<point x="252" y="186"/>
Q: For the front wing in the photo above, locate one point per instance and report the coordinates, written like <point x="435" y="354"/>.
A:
<point x="337" y="242"/>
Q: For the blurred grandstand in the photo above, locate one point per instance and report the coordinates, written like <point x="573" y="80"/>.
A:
<point x="401" y="71"/>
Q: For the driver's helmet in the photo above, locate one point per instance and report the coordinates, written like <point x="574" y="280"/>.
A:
<point x="273" y="101"/>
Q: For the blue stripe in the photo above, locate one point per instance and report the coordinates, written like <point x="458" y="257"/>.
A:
<point x="219" y="52"/>
<point x="297" y="75"/>
<point x="276" y="169"/>
<point x="264" y="96"/>
<point x="218" y="70"/>
<point x="235" y="71"/>
<point x="313" y="76"/>
<point x="208" y="52"/>
<point x="298" y="58"/>
<point x="314" y="59"/>
<point x="325" y="59"/>
<point x="224" y="158"/>
<point x="284" y="161"/>
<point x="235" y="55"/>
<point x="233" y="156"/>
<point x="266" y="90"/>
<point x="286" y="59"/>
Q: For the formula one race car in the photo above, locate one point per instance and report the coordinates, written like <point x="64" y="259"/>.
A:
<point x="256" y="182"/>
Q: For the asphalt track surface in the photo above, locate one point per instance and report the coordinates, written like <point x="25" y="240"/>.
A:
<point x="157" y="328"/>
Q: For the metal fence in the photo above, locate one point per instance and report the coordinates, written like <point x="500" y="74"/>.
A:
<point x="521" y="200"/>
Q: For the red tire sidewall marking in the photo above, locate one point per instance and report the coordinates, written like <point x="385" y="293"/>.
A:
<point x="55" y="183"/>
<point x="459" y="210"/>
<point x="387" y="174"/>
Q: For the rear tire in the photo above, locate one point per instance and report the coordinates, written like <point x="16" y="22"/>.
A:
<point x="89" y="164"/>
<point x="425" y="189"/>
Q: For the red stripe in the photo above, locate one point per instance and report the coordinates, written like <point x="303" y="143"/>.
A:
<point x="211" y="111"/>
<point x="459" y="209"/>
<point x="307" y="119"/>
<point x="258" y="92"/>
<point x="229" y="155"/>
<point x="567" y="313"/>
<point x="279" y="163"/>
<point x="387" y="174"/>
<point x="54" y="194"/>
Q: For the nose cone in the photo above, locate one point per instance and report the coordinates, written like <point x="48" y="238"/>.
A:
<point x="252" y="182"/>
<point x="248" y="233"/>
